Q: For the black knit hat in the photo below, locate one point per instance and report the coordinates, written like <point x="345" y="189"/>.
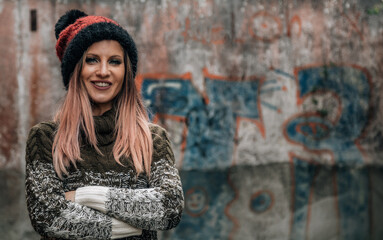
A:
<point x="76" y="32"/>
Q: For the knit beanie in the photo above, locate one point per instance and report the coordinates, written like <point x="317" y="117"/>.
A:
<point x="76" y="32"/>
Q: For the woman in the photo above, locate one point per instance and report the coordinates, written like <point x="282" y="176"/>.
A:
<point x="100" y="170"/>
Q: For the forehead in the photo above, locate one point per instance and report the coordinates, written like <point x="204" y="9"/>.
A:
<point x="106" y="47"/>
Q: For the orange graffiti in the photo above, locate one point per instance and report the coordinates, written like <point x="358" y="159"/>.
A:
<point x="265" y="27"/>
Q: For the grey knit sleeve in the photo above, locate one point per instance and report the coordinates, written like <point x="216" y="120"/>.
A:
<point x="158" y="207"/>
<point x="51" y="215"/>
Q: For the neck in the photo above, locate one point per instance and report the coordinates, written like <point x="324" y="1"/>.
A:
<point x="99" y="109"/>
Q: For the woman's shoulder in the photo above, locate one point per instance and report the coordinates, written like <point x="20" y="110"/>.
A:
<point x="161" y="144"/>
<point x="159" y="135"/>
<point x="156" y="129"/>
<point x="39" y="142"/>
<point x="41" y="129"/>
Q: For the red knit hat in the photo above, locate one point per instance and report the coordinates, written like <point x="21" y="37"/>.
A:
<point x="76" y="32"/>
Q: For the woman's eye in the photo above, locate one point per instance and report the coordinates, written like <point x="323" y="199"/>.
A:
<point x="90" y="60"/>
<point x="115" y="62"/>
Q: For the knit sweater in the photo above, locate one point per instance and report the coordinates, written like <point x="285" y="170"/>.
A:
<point x="111" y="201"/>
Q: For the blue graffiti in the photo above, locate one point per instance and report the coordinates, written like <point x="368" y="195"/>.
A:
<point x="206" y="196"/>
<point x="261" y="202"/>
<point x="316" y="132"/>
<point x="212" y="125"/>
<point x="304" y="175"/>
<point x="353" y="89"/>
<point x="209" y="145"/>
<point x="309" y="130"/>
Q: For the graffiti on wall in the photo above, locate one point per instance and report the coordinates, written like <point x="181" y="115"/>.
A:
<point x="334" y="103"/>
<point x="336" y="127"/>
<point x="210" y="119"/>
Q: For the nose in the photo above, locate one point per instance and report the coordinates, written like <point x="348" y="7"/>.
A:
<point x="103" y="71"/>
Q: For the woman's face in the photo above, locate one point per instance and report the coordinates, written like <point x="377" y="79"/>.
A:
<point x="103" y="73"/>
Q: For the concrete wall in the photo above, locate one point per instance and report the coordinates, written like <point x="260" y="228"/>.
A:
<point x="274" y="109"/>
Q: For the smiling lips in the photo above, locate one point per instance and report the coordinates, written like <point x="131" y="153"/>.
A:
<point x="101" y="85"/>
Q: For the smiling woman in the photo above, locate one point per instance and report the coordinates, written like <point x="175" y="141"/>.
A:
<point x="103" y="73"/>
<point x="100" y="170"/>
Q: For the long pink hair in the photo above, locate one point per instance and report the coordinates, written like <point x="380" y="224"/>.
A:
<point x="133" y="137"/>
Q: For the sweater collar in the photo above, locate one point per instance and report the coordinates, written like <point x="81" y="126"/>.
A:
<point x="104" y="126"/>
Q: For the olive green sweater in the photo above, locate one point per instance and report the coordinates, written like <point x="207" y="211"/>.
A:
<point x="111" y="201"/>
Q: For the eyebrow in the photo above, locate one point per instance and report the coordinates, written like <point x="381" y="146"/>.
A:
<point x="109" y="57"/>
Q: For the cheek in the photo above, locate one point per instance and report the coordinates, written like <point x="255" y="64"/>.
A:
<point x="85" y="72"/>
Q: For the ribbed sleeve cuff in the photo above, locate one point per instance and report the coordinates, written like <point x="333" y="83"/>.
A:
<point x="93" y="197"/>
<point x="121" y="229"/>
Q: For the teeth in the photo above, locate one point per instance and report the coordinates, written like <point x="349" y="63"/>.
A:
<point x="101" y="84"/>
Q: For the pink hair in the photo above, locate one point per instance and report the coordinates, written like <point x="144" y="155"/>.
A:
<point x="133" y="137"/>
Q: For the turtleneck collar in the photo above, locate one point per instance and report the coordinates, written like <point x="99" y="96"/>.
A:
<point x="104" y="126"/>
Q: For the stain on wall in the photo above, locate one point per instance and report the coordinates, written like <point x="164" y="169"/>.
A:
<point x="273" y="109"/>
<point x="9" y="116"/>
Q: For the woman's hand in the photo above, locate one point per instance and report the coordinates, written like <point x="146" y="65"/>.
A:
<point x="70" y="195"/>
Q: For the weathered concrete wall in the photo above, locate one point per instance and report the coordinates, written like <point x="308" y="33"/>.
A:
<point x="274" y="109"/>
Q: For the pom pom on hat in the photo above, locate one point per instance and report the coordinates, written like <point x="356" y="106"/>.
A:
<point x="76" y="32"/>
<point x="67" y="19"/>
